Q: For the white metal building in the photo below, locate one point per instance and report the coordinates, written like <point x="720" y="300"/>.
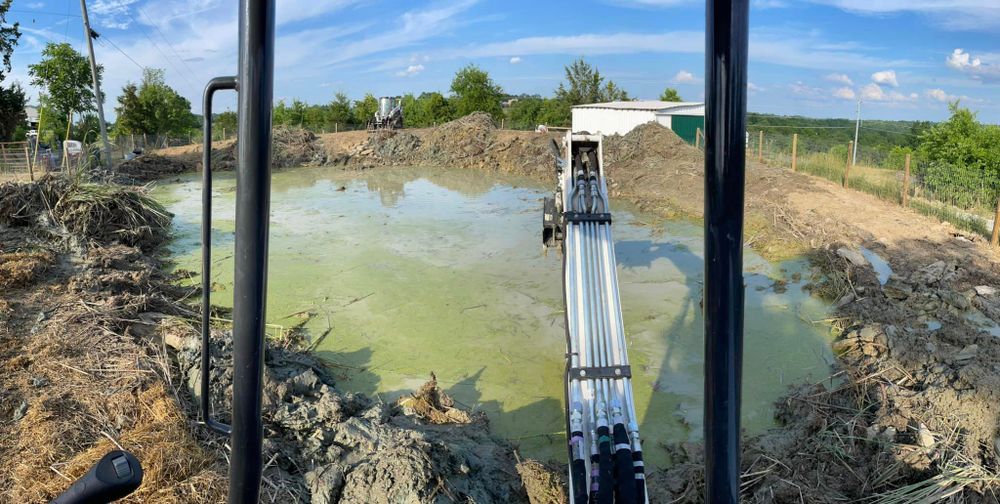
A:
<point x="619" y="117"/>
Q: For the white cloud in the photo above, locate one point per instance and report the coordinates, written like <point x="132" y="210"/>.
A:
<point x="35" y="5"/>
<point x="113" y="13"/>
<point x="939" y="95"/>
<point x="684" y="77"/>
<point x="971" y="15"/>
<point x="802" y="89"/>
<point x="515" y="60"/>
<point x="887" y="77"/>
<point x="839" y="78"/>
<point x="769" y="4"/>
<point x="410" y="71"/>
<point x="874" y="92"/>
<point x="753" y="88"/>
<point x="844" y="93"/>
<point x="974" y="67"/>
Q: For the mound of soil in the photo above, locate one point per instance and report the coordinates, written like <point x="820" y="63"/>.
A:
<point x="22" y="268"/>
<point x="651" y="161"/>
<point x="149" y="167"/>
<point x="344" y="447"/>
<point x="290" y="147"/>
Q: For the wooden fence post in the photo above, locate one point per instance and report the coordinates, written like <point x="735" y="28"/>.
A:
<point x="697" y="138"/>
<point x="847" y="171"/>
<point x="27" y="158"/>
<point x="995" y="239"/>
<point x="795" y="149"/>
<point x="906" y="182"/>
<point x="760" y="148"/>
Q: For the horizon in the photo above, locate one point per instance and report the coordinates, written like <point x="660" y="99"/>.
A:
<point x="808" y="58"/>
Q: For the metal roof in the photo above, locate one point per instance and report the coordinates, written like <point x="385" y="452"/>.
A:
<point x="650" y="105"/>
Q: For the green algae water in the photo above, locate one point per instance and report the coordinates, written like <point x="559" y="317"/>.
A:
<point x="404" y="272"/>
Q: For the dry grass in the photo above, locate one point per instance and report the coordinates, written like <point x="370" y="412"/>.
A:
<point x="18" y="269"/>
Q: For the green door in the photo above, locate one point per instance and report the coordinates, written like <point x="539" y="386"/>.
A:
<point x="685" y="126"/>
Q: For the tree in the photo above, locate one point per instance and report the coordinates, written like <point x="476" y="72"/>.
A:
<point x="670" y="94"/>
<point x="340" y="110"/>
<point x="364" y="109"/>
<point x="585" y="84"/>
<point x="225" y="121"/>
<point x="153" y="108"/>
<point x="475" y="91"/>
<point x="65" y="75"/>
<point x="962" y="163"/>
<point x="12" y="99"/>
<point x="12" y="113"/>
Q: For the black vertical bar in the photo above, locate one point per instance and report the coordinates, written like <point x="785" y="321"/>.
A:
<point x="726" y="39"/>
<point x="253" y="181"/>
<point x="206" y="251"/>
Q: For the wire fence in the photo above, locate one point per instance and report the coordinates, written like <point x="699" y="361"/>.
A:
<point x="891" y="174"/>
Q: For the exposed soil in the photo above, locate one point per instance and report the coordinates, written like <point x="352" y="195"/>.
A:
<point x="911" y="413"/>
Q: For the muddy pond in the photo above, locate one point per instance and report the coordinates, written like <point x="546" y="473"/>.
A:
<point x="402" y="272"/>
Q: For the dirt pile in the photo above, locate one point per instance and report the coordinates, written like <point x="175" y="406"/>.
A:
<point x="433" y="405"/>
<point x="471" y="142"/>
<point x="147" y="168"/>
<point x="329" y="446"/>
<point x="290" y="147"/>
<point x="652" y="166"/>
<point x="104" y="214"/>
<point x="914" y="413"/>
<point x="22" y="268"/>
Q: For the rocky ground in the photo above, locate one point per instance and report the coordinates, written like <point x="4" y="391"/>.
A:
<point x="910" y="413"/>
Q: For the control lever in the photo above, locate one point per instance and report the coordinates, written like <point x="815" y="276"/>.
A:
<point x="113" y="477"/>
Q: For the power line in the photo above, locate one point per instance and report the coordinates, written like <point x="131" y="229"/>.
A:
<point x="48" y="13"/>
<point x="907" y="133"/>
<point x="796" y="127"/>
<point x="106" y="39"/>
<point x="158" y="49"/>
<point x="164" y="38"/>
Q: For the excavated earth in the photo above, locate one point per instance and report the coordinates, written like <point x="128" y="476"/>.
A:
<point x="910" y="413"/>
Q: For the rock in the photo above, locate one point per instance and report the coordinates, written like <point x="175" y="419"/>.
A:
<point x="967" y="353"/>
<point x="39" y="381"/>
<point x="845" y="300"/>
<point x="889" y="434"/>
<point x="868" y="333"/>
<point x="932" y="273"/>
<point x="844" y="345"/>
<point x="871" y="432"/>
<point x="985" y="290"/>
<point x="897" y="289"/>
<point x="924" y="437"/>
<point x="954" y="299"/>
<point x="325" y="483"/>
<point x="854" y="257"/>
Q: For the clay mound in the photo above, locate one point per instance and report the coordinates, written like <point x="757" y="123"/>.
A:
<point x="461" y="139"/>
<point x="148" y="167"/>
<point x="651" y="162"/>
<point x="650" y="141"/>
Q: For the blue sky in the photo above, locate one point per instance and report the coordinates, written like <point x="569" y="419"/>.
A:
<point x="905" y="58"/>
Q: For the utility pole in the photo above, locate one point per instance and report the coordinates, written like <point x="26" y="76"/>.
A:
<point x="857" y="127"/>
<point x="90" y="35"/>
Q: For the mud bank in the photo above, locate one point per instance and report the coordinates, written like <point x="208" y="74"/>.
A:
<point x="97" y="348"/>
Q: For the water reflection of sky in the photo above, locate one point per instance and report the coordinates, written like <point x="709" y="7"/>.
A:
<point x="410" y="271"/>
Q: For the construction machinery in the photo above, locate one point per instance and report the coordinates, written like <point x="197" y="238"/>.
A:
<point x="389" y="115"/>
<point x="605" y="452"/>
